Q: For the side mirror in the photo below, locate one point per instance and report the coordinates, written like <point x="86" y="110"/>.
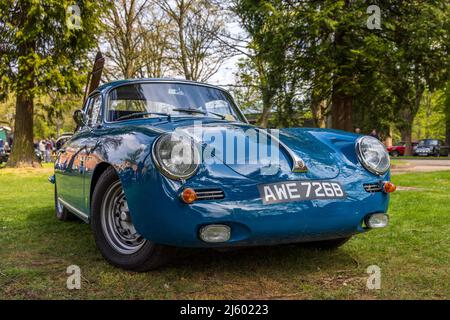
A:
<point x="80" y="118"/>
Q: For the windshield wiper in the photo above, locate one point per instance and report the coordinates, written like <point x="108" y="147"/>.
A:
<point x="141" y="114"/>
<point x="192" y="110"/>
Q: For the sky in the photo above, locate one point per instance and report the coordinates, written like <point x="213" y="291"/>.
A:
<point x="225" y="74"/>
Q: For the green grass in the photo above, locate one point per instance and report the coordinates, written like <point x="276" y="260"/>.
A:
<point x="413" y="254"/>
<point x="420" y="158"/>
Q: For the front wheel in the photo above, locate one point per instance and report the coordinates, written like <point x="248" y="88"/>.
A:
<point x="114" y="233"/>
<point x="326" y="244"/>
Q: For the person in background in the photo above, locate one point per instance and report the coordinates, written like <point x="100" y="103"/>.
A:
<point x="374" y="134"/>
<point x="48" y="151"/>
<point x="42" y="148"/>
<point x="358" y="130"/>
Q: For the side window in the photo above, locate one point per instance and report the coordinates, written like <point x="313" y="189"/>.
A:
<point x="93" y="110"/>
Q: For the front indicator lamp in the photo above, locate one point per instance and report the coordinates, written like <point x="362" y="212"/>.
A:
<point x="188" y="195"/>
<point x="389" y="187"/>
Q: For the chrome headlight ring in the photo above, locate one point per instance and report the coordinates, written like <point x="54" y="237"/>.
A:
<point x="181" y="165"/>
<point x="372" y="155"/>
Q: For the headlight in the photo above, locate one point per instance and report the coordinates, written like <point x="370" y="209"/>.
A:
<point x="372" y="154"/>
<point x="176" y="156"/>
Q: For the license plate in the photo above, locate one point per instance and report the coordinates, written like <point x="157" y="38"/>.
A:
<point x="300" y="191"/>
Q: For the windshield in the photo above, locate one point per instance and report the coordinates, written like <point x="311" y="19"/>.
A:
<point x="428" y="142"/>
<point x="174" y="99"/>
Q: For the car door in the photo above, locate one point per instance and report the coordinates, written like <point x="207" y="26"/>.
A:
<point x="90" y="157"/>
<point x="71" y="165"/>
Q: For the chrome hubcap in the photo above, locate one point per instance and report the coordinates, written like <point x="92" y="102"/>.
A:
<point x="116" y="222"/>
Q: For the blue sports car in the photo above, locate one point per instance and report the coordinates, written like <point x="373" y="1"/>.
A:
<point x="156" y="164"/>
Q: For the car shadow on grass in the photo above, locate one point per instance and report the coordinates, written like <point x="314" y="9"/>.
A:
<point x="66" y="240"/>
<point x="273" y="258"/>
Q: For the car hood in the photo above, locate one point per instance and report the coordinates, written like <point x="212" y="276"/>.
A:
<point x="322" y="159"/>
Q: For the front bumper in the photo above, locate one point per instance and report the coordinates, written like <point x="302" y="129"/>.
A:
<point x="172" y="222"/>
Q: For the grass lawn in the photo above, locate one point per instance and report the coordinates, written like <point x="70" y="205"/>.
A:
<point x="420" y="158"/>
<point x="413" y="254"/>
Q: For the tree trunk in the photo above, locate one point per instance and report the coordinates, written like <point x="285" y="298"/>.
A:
<point x="447" y="119"/>
<point x="22" y="154"/>
<point x="447" y="126"/>
<point x="388" y="139"/>
<point x="184" y="55"/>
<point x="341" y="112"/>
<point x="406" y="133"/>
<point x="263" y="120"/>
<point x="318" y="109"/>
<point x="406" y="128"/>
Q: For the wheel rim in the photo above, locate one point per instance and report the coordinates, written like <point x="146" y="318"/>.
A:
<point x="117" y="227"/>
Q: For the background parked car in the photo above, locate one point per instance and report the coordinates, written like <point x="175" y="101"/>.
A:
<point x="431" y="147"/>
<point x="399" y="149"/>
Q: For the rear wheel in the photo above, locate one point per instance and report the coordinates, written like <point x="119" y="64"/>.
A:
<point x="326" y="244"/>
<point x="114" y="232"/>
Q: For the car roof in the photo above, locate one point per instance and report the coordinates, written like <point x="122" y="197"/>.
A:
<point x="117" y="83"/>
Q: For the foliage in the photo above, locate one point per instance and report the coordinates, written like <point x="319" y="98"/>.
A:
<point x="54" y="55"/>
<point x="41" y="52"/>
<point x="324" y="52"/>
<point x="430" y="119"/>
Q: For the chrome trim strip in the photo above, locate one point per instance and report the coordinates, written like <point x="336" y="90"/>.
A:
<point x="75" y="211"/>
<point x="372" y="187"/>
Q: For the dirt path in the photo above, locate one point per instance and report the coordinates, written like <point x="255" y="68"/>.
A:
<point x="420" y="165"/>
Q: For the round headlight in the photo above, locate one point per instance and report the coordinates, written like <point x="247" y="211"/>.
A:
<point x="373" y="155"/>
<point x="176" y="156"/>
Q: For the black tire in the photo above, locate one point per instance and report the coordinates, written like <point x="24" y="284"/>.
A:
<point x="144" y="255"/>
<point x="326" y="244"/>
<point x="395" y="153"/>
<point x="61" y="212"/>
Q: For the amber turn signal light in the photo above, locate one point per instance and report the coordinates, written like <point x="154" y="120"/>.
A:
<point x="389" y="187"/>
<point x="188" y="195"/>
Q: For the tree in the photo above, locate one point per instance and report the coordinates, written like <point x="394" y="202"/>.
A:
<point x="342" y="66"/>
<point x="267" y="25"/>
<point x="197" y="49"/>
<point x="430" y="119"/>
<point x="40" y="52"/>
<point x="123" y="37"/>
<point x="421" y="59"/>
<point x="156" y="44"/>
